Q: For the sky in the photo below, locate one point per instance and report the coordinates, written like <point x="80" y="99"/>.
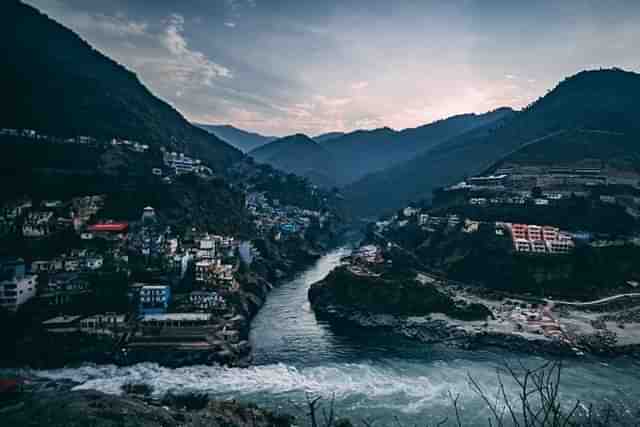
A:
<point x="284" y="66"/>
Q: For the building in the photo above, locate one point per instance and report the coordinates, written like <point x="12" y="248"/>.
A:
<point x="488" y="181"/>
<point x="181" y="163"/>
<point x="62" y="324"/>
<point x="540" y="239"/>
<point x="534" y="232"/>
<point x="206" y="300"/>
<point x="154" y="299"/>
<point x="519" y="232"/>
<point x="176" y="320"/>
<point x="38" y="224"/>
<point x="204" y="270"/>
<point x="148" y="215"/>
<point x="109" y="229"/>
<point x="94" y="262"/>
<point x="108" y="323"/>
<point x="16" y="287"/>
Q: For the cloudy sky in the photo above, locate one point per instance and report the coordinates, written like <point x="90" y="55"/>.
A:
<point x="313" y="66"/>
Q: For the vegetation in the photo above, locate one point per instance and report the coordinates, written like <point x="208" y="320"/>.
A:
<point x="86" y="93"/>
<point x="488" y="260"/>
<point x="300" y="155"/>
<point x="389" y="295"/>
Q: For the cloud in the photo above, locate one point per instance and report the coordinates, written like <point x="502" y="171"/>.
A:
<point x="359" y="85"/>
<point x="189" y="66"/>
<point x="510" y="77"/>
<point x="230" y="24"/>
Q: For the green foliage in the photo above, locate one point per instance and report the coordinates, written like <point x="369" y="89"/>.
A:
<point x="390" y="294"/>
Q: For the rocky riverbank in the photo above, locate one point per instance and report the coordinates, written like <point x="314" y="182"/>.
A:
<point x="96" y="409"/>
<point x="405" y="308"/>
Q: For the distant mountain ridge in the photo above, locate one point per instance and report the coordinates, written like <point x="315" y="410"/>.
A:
<point x="327" y="136"/>
<point x="363" y="152"/>
<point x="243" y="140"/>
<point x="351" y="156"/>
<point x="603" y="100"/>
<point x="56" y="83"/>
<point x="300" y="155"/>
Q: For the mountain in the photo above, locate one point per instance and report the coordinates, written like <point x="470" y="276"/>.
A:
<point x="366" y="151"/>
<point x="327" y="136"/>
<point x="603" y="100"/>
<point x="241" y="139"/>
<point x="56" y="83"/>
<point x="300" y="155"/>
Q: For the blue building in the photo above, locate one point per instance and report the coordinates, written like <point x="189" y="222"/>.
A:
<point x="154" y="299"/>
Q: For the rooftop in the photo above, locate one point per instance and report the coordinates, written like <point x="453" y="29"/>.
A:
<point x="176" y="316"/>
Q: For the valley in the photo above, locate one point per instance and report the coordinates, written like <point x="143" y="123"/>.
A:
<point x="165" y="267"/>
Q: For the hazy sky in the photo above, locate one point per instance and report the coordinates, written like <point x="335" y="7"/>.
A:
<point x="284" y="66"/>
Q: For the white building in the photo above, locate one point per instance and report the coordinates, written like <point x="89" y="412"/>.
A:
<point x="16" y="287"/>
<point x="102" y="323"/>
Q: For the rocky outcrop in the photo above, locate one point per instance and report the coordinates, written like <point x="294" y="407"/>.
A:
<point x="96" y="409"/>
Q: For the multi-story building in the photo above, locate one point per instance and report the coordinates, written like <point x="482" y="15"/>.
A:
<point x="206" y="300"/>
<point x="16" y="287"/>
<point x="154" y="299"/>
<point x="519" y="232"/>
<point x="38" y="224"/>
<point x="540" y="239"/>
<point x="522" y="245"/>
<point x="181" y="163"/>
<point x="534" y="232"/>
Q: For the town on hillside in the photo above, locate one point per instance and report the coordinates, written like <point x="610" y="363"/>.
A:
<point x="553" y="253"/>
<point x="142" y="289"/>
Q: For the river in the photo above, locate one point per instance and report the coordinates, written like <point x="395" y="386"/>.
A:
<point x="371" y="376"/>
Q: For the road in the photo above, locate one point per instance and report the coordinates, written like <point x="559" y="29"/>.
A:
<point x="595" y="302"/>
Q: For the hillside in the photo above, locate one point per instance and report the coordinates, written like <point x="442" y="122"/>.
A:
<point x="241" y="139"/>
<point x="578" y="145"/>
<point x="300" y="155"/>
<point x="605" y="100"/>
<point x="56" y="83"/>
<point x="362" y="152"/>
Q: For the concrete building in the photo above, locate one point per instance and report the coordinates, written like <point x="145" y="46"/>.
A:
<point x="108" y="323"/>
<point x="176" y="320"/>
<point x="154" y="299"/>
<point x="16" y="287"/>
<point x="206" y="300"/>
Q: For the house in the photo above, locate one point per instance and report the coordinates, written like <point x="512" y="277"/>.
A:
<point x="16" y="287"/>
<point x="154" y="299"/>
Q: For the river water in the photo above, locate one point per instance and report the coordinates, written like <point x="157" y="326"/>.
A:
<point x="371" y="376"/>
